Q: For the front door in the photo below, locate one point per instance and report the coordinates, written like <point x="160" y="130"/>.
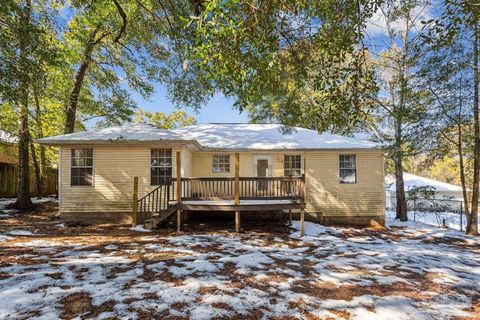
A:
<point x="262" y="172"/>
<point x="262" y="167"/>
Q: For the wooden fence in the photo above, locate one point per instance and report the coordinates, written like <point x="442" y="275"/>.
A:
<point x="9" y="181"/>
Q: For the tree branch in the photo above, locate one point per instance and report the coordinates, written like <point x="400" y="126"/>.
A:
<point x="123" y="28"/>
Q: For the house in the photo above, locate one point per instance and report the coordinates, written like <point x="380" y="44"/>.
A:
<point x="443" y="190"/>
<point x="8" y="148"/>
<point x="218" y="167"/>
<point x="8" y="164"/>
<point x="9" y="170"/>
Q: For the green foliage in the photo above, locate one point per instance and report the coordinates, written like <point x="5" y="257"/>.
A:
<point x="175" y="119"/>
<point x="295" y="62"/>
<point x="422" y="192"/>
<point x="400" y="116"/>
<point x="447" y="74"/>
<point x="116" y="65"/>
<point x="41" y="47"/>
<point x="124" y="47"/>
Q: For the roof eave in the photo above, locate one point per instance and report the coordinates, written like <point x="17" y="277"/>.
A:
<point x="53" y="142"/>
<point x="288" y="149"/>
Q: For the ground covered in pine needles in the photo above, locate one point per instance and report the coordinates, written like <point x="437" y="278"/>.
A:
<point x="49" y="269"/>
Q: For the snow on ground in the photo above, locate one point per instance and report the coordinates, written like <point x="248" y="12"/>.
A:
<point x="452" y="219"/>
<point x="4" y="238"/>
<point x="139" y="228"/>
<point x="6" y="202"/>
<point x="20" y="233"/>
<point x="411" y="271"/>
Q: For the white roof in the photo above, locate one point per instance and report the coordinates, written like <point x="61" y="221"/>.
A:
<point x="412" y="180"/>
<point x="266" y="137"/>
<point x="7" y="137"/>
<point x="128" y="132"/>
<point x="219" y="136"/>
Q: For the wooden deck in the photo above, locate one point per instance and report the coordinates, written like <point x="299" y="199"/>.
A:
<point x="234" y="194"/>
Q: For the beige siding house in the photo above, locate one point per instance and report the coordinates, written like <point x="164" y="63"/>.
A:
<point x="333" y="179"/>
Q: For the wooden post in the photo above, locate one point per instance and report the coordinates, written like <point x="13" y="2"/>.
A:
<point x="179" y="220"/>
<point x="237" y="179"/>
<point x="302" y="223"/>
<point x="289" y="217"/>
<point x="179" y="191"/>
<point x="237" y="191"/>
<point x="302" y="188"/>
<point x="135" y="202"/>
<point x="237" y="221"/>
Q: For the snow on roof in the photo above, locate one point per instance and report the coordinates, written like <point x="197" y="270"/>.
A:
<point x="412" y="180"/>
<point x="7" y="137"/>
<point x="221" y="136"/>
<point x="128" y="132"/>
<point x="266" y="137"/>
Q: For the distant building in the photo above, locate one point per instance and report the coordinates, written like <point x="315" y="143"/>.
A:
<point x="8" y="164"/>
<point x="9" y="170"/>
<point x="443" y="190"/>
<point x="8" y="148"/>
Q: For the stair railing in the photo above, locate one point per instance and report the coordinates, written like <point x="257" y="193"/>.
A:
<point x="153" y="202"/>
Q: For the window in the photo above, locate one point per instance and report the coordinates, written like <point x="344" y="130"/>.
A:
<point x="221" y="163"/>
<point x="292" y="165"/>
<point x="160" y="166"/>
<point x="81" y="167"/>
<point x="348" y="168"/>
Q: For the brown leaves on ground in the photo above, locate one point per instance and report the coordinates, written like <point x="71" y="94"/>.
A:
<point x="115" y="240"/>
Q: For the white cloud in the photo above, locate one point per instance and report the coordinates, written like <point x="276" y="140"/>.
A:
<point x="377" y="24"/>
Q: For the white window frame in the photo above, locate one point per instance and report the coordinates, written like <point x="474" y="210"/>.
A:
<point x="291" y="169"/>
<point x="80" y="167"/>
<point x="341" y="166"/>
<point x="220" y="164"/>
<point x="161" y="166"/>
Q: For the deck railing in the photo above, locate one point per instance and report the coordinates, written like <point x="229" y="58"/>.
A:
<point x="215" y="188"/>
<point x="154" y="202"/>
<point x="219" y="188"/>
<point x="173" y="192"/>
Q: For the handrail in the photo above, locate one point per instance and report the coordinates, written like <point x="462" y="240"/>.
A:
<point x="154" y="202"/>
<point x="204" y="188"/>
<point x="153" y="191"/>
<point x="241" y="178"/>
<point x="208" y="188"/>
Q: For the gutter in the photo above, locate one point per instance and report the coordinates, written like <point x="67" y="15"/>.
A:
<point x="194" y="142"/>
<point x="52" y="142"/>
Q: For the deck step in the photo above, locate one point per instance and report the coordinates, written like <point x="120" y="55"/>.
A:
<point x="161" y="217"/>
<point x="148" y="224"/>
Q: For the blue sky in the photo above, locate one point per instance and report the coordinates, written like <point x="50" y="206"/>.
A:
<point x="218" y="109"/>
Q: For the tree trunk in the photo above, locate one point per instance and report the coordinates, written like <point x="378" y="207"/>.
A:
<point x="401" y="207"/>
<point x="71" y="112"/>
<point x="23" y="195"/>
<point x="43" y="159"/>
<point x="398" y="156"/>
<point x="472" y="218"/>
<point x="462" y="171"/>
<point x="461" y="160"/>
<point x="38" y="174"/>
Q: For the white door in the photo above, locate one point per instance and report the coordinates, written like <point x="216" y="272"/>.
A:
<point x="262" y="165"/>
<point x="262" y="169"/>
